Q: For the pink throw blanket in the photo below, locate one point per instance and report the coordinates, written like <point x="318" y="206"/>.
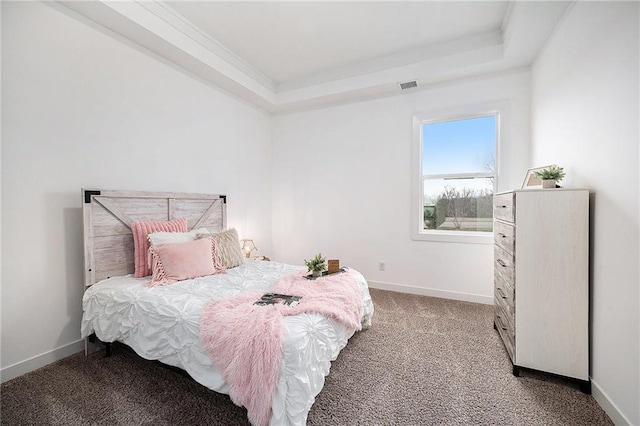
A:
<point x="245" y="340"/>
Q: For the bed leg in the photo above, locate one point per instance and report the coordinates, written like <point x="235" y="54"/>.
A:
<point x="107" y="347"/>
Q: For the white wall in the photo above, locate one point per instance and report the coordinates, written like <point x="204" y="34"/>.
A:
<point x="585" y="117"/>
<point x="82" y="109"/>
<point x="342" y="186"/>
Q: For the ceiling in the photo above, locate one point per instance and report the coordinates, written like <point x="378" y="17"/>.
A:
<point x="287" y="56"/>
<point x="292" y="40"/>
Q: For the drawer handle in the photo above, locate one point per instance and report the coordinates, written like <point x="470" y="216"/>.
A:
<point x="500" y="321"/>
<point x="501" y="207"/>
<point x="502" y="235"/>
<point x="499" y="290"/>
<point x="501" y="263"/>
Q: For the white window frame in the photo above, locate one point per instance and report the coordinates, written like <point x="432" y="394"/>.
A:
<point x="500" y="110"/>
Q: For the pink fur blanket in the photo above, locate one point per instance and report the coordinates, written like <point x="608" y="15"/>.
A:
<point x="245" y="340"/>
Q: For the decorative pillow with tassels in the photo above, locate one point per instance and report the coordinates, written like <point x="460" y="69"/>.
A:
<point x="141" y="230"/>
<point x="171" y="263"/>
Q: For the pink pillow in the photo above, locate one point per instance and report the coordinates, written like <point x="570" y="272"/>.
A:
<point x="182" y="261"/>
<point x="140" y="231"/>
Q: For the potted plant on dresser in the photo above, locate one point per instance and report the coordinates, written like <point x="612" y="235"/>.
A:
<point x="550" y="176"/>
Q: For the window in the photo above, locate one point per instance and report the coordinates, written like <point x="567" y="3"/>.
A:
<point x="455" y="173"/>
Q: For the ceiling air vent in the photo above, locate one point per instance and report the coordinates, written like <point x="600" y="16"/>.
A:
<point x="408" y="85"/>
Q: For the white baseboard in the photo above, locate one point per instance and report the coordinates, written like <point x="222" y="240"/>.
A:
<point x="38" y="361"/>
<point x="608" y="406"/>
<point x="443" y="294"/>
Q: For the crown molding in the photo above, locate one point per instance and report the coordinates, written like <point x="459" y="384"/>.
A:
<point x="157" y="28"/>
<point x="386" y="80"/>
<point x="422" y="54"/>
<point x="182" y="24"/>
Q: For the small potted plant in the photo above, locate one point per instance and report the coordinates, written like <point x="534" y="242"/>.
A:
<point x="550" y="175"/>
<point x="316" y="265"/>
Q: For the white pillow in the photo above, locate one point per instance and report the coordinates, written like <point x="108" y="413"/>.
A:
<point x="175" y="237"/>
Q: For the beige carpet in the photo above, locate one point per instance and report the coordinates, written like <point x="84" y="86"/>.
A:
<point x="425" y="361"/>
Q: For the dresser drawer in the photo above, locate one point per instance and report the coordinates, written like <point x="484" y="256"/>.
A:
<point x="506" y="331"/>
<point x="504" y="235"/>
<point x="504" y="207"/>
<point x="504" y="295"/>
<point x="504" y="265"/>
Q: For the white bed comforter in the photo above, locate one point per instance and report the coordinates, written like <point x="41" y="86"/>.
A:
<point x="162" y="323"/>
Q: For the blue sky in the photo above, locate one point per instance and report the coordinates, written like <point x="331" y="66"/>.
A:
<point x="458" y="146"/>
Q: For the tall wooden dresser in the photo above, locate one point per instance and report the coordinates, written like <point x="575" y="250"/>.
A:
<point x="541" y="277"/>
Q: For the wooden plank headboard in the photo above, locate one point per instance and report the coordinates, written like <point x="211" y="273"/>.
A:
<point x="108" y="241"/>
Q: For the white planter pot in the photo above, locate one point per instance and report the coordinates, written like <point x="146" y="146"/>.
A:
<point x="548" y="183"/>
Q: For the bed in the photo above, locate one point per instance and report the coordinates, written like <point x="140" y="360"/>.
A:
<point x="162" y="323"/>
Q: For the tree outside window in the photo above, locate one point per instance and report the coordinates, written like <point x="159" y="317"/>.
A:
<point x="458" y="173"/>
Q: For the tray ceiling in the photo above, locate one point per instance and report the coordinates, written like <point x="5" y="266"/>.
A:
<point x="287" y="56"/>
<point x="296" y="39"/>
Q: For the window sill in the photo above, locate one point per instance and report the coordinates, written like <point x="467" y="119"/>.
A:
<point x="454" y="237"/>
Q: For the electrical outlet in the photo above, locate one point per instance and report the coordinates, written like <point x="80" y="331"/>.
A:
<point x="382" y="266"/>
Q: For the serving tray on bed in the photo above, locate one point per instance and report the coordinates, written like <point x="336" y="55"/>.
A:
<point x="324" y="274"/>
